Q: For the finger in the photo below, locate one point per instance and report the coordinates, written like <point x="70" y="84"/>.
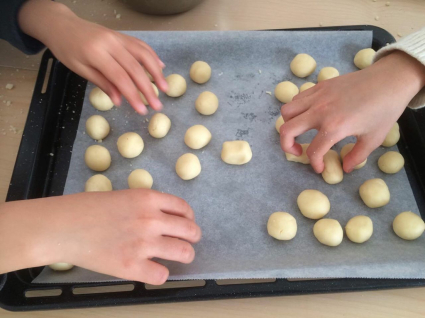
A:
<point x="182" y="228"/>
<point x="173" y="249"/>
<point x="295" y="108"/>
<point x="101" y="81"/>
<point x="138" y="76"/>
<point x="113" y="71"/>
<point x="306" y="93"/>
<point x="149" y="272"/>
<point x="152" y="51"/>
<point x="171" y="204"/>
<point x="319" y="147"/>
<point x="292" y="129"/>
<point x="150" y="64"/>
<point x="361" y="150"/>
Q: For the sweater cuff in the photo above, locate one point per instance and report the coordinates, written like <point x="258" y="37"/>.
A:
<point x="413" y="45"/>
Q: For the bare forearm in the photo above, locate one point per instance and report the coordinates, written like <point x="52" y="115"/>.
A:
<point x="22" y="241"/>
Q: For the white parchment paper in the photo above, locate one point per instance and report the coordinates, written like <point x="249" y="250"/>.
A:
<point x="232" y="203"/>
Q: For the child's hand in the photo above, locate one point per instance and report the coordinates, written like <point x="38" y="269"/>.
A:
<point x="364" y="104"/>
<point x="116" y="233"/>
<point x="111" y="60"/>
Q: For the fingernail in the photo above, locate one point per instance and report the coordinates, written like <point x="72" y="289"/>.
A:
<point x="162" y="64"/>
<point x="142" y="110"/>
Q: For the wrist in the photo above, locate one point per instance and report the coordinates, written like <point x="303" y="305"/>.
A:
<point x="42" y="19"/>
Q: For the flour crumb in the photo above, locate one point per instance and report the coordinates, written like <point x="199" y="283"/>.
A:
<point x="388" y="4"/>
<point x="118" y="16"/>
<point x="259" y="71"/>
<point x="8" y="103"/>
<point x="399" y="34"/>
<point x="51" y="154"/>
<point x="219" y="74"/>
<point x="320" y="24"/>
<point x="268" y="92"/>
<point x="9" y="86"/>
<point x="377" y="18"/>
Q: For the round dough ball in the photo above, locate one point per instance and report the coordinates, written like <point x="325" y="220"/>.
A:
<point x="97" y="158"/>
<point x="346" y="149"/>
<point x="306" y="86"/>
<point x="200" y="72"/>
<point x="303" y="65"/>
<point x="279" y="122"/>
<point x="391" y="162"/>
<point x="97" y="127"/>
<point x="364" y="58"/>
<point x="375" y="193"/>
<point x="236" y="152"/>
<point x="328" y="232"/>
<point x="144" y="100"/>
<point x="359" y="229"/>
<point x="61" y="266"/>
<point x="282" y="226"/>
<point x="100" y="100"/>
<point x="159" y="125"/>
<point x="313" y="204"/>
<point x="285" y="91"/>
<point x="130" y="145"/>
<point x="176" y="85"/>
<point x="327" y="73"/>
<point x="304" y="159"/>
<point x="188" y="166"/>
<point x="140" y="178"/>
<point x="197" y="137"/>
<point x="392" y="137"/>
<point x="408" y="225"/>
<point x="333" y="172"/>
<point x="98" y="182"/>
<point x="206" y="103"/>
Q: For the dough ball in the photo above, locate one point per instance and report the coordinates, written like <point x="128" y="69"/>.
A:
<point x="359" y="229"/>
<point x="327" y="73"/>
<point x="313" y="204"/>
<point x="197" y="137"/>
<point x="282" y="226"/>
<point x="200" y="72"/>
<point x="97" y="127"/>
<point x="375" y="193"/>
<point x="140" y="178"/>
<point x="306" y="86"/>
<point x="188" y="166"/>
<point x="150" y="76"/>
<point x="408" y="225"/>
<point x="301" y="159"/>
<point x="328" y="232"/>
<point x="61" y="266"/>
<point x="100" y="100"/>
<point x="279" y="122"/>
<point x="285" y="91"/>
<point x="206" y="103"/>
<point x="159" y="125"/>
<point x="346" y="149"/>
<point x="97" y="158"/>
<point x="98" y="183"/>
<point x="333" y="172"/>
<point x="236" y="152"/>
<point x="130" y="145"/>
<point x="144" y="100"/>
<point x="303" y="65"/>
<point x="364" y="58"/>
<point x="176" y="85"/>
<point x="392" y="137"/>
<point x="391" y="162"/>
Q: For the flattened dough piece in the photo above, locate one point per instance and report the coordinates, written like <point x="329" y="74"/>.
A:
<point x="306" y="86"/>
<point x="408" y="226"/>
<point x="188" y="166"/>
<point x="304" y="159"/>
<point x="313" y="204"/>
<point x="282" y="226"/>
<point x="279" y="122"/>
<point x="61" y="266"/>
<point x="236" y="152"/>
<point x="364" y="58"/>
<point x="375" y="193"/>
<point x="98" y="182"/>
<point x="328" y="232"/>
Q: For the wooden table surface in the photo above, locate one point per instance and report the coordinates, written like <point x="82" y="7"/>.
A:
<point x="399" y="17"/>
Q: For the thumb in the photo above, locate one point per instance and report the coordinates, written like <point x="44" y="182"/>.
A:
<point x="361" y="150"/>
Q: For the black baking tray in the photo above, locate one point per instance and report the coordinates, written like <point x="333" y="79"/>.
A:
<point x="41" y="169"/>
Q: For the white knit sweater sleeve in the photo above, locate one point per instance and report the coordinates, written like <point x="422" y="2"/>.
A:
<point x="414" y="45"/>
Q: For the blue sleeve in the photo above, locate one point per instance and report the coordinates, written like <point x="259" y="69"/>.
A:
<point x="10" y="30"/>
